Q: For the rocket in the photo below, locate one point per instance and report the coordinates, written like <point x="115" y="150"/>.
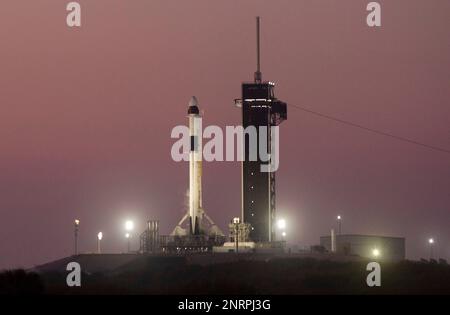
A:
<point x="197" y="222"/>
<point x="195" y="166"/>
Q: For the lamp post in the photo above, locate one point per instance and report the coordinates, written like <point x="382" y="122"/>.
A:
<point x="99" y="238"/>
<point x="376" y="252"/>
<point x="236" y="234"/>
<point x="76" y="226"/>
<point x="339" y="219"/>
<point x="431" y="242"/>
<point x="129" y="226"/>
<point x="281" y="224"/>
<point x="127" y="236"/>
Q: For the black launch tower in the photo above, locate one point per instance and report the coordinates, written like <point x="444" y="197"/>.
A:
<point x="260" y="108"/>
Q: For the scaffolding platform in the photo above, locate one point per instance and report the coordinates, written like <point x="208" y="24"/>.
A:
<point x="152" y="243"/>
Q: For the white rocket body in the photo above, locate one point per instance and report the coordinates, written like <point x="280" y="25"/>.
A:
<point x="199" y="223"/>
<point x="195" y="166"/>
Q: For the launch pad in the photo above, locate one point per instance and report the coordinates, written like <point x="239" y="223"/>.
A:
<point x="153" y="243"/>
<point x="196" y="231"/>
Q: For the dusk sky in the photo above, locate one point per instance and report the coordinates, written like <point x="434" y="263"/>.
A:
<point x="86" y="116"/>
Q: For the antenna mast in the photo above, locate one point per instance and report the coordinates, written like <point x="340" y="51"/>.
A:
<point x="258" y="74"/>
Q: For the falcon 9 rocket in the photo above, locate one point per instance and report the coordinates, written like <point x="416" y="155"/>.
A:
<point x="195" y="165"/>
<point x="198" y="222"/>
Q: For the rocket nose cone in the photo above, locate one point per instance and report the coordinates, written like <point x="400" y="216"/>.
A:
<point x="193" y="108"/>
<point x="193" y="101"/>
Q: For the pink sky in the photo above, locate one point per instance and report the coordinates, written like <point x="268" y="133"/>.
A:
<point x="86" y="115"/>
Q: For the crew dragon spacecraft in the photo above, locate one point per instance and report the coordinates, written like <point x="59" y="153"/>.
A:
<point x="195" y="221"/>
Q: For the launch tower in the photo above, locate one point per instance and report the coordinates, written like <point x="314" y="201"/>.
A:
<point x="259" y="108"/>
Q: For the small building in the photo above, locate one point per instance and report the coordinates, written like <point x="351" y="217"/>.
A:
<point x="368" y="246"/>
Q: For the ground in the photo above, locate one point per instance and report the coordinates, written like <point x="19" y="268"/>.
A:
<point x="245" y="274"/>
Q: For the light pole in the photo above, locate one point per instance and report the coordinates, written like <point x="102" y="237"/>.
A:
<point x="431" y="242"/>
<point x="236" y="234"/>
<point x="99" y="238"/>
<point x="339" y="219"/>
<point x="281" y="224"/>
<point x="376" y="253"/>
<point x="127" y="236"/>
<point x="129" y="226"/>
<point x="76" y="226"/>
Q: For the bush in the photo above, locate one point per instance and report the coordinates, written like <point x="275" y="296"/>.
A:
<point x="20" y="282"/>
